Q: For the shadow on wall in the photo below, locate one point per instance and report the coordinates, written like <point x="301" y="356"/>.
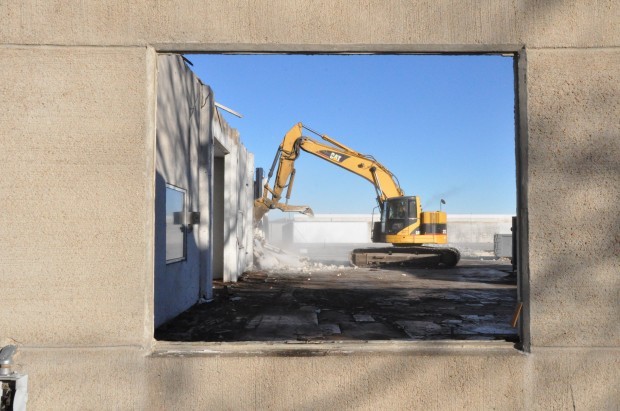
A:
<point x="574" y="254"/>
<point x="187" y="128"/>
<point x="184" y="111"/>
<point x="574" y="208"/>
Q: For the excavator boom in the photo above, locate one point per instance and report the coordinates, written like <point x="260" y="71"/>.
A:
<point x="365" y="166"/>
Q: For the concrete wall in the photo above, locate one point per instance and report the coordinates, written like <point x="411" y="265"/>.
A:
<point x="319" y="229"/>
<point x="474" y="229"/>
<point x="473" y="234"/>
<point x="181" y="145"/>
<point x="574" y="129"/>
<point x="188" y="126"/>
<point x="78" y="120"/>
<point x="238" y="201"/>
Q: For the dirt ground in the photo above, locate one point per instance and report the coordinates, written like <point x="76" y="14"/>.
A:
<point x="473" y="301"/>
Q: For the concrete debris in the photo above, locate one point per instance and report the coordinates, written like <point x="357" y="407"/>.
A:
<point x="418" y="329"/>
<point x="363" y="318"/>
<point x="452" y="322"/>
<point x="269" y="257"/>
<point x="330" y="329"/>
<point x="477" y="317"/>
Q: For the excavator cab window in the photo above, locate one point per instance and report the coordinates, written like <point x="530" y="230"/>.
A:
<point x="413" y="210"/>
<point x="398" y="209"/>
<point x="400" y="213"/>
<point x="401" y="208"/>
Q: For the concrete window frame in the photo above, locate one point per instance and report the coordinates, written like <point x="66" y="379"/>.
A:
<point x="519" y="55"/>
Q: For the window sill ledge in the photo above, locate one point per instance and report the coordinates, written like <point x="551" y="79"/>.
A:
<point x="332" y="348"/>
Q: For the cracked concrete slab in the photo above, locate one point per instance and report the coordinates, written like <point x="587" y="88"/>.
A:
<point x="475" y="300"/>
<point x="363" y="318"/>
<point x="419" y="329"/>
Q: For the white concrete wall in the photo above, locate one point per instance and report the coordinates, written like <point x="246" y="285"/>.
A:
<point x="320" y="229"/>
<point x="238" y="201"/>
<point x="475" y="230"/>
<point x="187" y="127"/>
<point x="331" y="232"/>
<point x="245" y="208"/>
<point x="183" y="161"/>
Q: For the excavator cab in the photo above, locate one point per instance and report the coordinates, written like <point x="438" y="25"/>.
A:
<point x="398" y="214"/>
<point x="403" y="223"/>
<point x="409" y="230"/>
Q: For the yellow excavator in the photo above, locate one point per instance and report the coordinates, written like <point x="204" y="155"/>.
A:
<point x="413" y="233"/>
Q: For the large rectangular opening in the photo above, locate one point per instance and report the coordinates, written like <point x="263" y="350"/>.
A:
<point x="474" y="301"/>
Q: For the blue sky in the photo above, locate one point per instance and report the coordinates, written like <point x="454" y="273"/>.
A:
<point x="444" y="125"/>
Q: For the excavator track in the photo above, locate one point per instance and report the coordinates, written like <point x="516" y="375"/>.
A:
<point x="406" y="256"/>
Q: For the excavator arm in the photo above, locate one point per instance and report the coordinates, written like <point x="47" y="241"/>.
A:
<point x="385" y="183"/>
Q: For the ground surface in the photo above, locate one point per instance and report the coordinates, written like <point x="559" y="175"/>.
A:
<point x="474" y="300"/>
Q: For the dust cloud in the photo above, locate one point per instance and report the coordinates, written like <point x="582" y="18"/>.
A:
<point x="272" y="258"/>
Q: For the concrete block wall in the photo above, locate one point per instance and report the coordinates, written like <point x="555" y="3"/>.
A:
<point x="78" y="124"/>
